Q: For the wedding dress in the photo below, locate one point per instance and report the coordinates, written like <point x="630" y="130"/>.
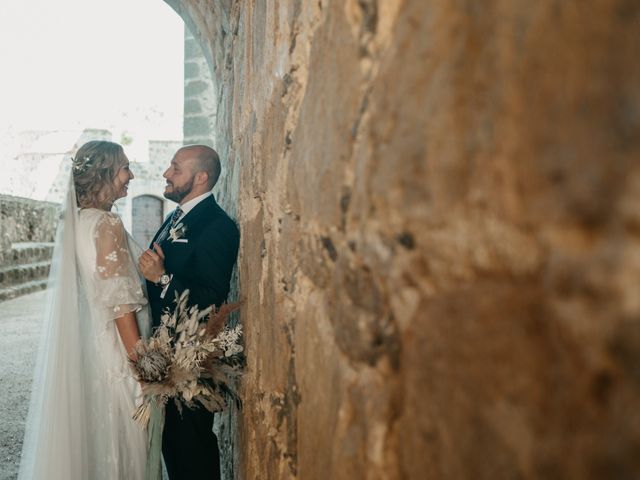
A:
<point x="79" y="425"/>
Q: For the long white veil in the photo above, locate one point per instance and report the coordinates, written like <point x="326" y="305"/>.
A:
<point x="55" y="428"/>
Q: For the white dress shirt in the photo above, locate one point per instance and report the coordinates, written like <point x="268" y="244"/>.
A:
<point x="188" y="206"/>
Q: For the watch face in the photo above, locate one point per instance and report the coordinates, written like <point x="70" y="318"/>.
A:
<point x="164" y="279"/>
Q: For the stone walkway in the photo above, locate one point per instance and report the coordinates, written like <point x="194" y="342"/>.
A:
<point x="20" y="321"/>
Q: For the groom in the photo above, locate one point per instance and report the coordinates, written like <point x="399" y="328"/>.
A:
<point x="195" y="249"/>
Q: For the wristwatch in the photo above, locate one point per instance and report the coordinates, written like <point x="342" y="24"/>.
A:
<point x="164" y="280"/>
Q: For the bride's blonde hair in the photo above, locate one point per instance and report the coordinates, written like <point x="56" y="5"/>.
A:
<point x="95" y="167"/>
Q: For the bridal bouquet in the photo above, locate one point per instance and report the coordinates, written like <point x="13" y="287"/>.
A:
<point x="187" y="360"/>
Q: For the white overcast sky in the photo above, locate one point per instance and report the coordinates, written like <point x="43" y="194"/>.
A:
<point x="70" y="64"/>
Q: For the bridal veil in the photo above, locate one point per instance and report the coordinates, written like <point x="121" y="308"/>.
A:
<point x="55" y="433"/>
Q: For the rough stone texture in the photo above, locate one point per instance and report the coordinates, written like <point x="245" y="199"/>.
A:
<point x="440" y="234"/>
<point x="25" y="220"/>
<point x="27" y="228"/>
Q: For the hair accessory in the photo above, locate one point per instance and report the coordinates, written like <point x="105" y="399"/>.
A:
<point x="81" y="165"/>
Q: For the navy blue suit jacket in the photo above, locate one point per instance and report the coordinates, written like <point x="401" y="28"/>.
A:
<point x="203" y="264"/>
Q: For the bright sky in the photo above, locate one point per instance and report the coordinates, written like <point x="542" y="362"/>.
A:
<point x="70" y="64"/>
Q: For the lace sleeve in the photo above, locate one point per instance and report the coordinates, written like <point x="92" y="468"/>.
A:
<point x="118" y="285"/>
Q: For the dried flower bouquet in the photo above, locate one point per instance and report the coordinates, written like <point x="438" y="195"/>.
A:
<point x="190" y="361"/>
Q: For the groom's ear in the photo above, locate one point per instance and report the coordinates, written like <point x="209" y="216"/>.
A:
<point x="201" y="178"/>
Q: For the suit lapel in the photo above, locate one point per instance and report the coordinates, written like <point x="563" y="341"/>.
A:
<point x="162" y="227"/>
<point x="201" y="214"/>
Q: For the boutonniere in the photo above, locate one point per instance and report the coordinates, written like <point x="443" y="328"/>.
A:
<point x="177" y="233"/>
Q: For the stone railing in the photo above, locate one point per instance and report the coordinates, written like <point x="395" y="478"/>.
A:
<point x="27" y="230"/>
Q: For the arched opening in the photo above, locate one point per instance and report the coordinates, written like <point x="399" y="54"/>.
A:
<point x="146" y="215"/>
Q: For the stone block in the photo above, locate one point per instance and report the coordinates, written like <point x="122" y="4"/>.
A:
<point x="192" y="106"/>
<point x="192" y="49"/>
<point x="192" y="89"/>
<point x="196" y="126"/>
<point x="191" y="70"/>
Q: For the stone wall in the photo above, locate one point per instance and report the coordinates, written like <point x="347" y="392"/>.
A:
<point x="27" y="230"/>
<point x="25" y="220"/>
<point x="199" y="101"/>
<point x="440" y="234"/>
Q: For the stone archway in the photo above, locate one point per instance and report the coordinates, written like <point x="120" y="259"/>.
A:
<point x="440" y="249"/>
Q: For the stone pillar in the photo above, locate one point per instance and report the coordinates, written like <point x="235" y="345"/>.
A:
<point x="199" y="102"/>
<point x="201" y="119"/>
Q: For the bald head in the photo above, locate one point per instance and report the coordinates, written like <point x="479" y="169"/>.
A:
<point x="206" y="160"/>
<point x="193" y="171"/>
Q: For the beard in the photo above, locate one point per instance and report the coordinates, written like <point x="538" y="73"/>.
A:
<point x="178" y="193"/>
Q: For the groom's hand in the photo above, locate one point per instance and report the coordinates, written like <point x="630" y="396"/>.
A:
<point x="151" y="263"/>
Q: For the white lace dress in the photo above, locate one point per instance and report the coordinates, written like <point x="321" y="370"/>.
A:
<point x="110" y="286"/>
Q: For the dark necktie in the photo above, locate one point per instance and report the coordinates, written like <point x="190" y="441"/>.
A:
<point x="177" y="213"/>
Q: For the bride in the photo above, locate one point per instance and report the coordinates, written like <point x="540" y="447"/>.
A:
<point x="79" y="424"/>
